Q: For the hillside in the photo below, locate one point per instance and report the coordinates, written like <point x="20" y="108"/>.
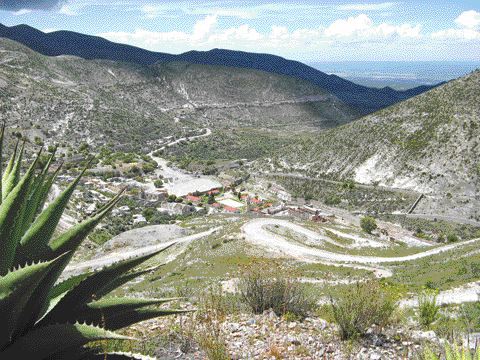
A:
<point x="429" y="144"/>
<point x="363" y="99"/>
<point x="70" y="99"/>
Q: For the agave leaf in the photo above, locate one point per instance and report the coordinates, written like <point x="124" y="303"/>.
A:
<point x="10" y="211"/>
<point x="9" y="168"/>
<point x="72" y="238"/>
<point x="1" y="156"/>
<point x="87" y="290"/>
<point x="35" y="242"/>
<point x="98" y="311"/>
<point x="16" y="288"/>
<point x="44" y="342"/>
<point x="120" y="356"/>
<point x="128" y="318"/>
<point x="14" y="176"/>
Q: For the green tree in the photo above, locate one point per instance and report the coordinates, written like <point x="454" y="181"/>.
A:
<point x="368" y="224"/>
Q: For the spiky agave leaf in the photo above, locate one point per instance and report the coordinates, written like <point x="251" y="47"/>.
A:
<point x="88" y="289"/>
<point x="8" y="169"/>
<point x="121" y="356"/>
<point x="127" y="318"/>
<point x="16" y="288"/>
<point x="70" y="240"/>
<point x="98" y="312"/>
<point x="11" y="210"/>
<point x="34" y="243"/>
<point x="14" y="175"/>
<point x="1" y="157"/>
<point x="43" y="342"/>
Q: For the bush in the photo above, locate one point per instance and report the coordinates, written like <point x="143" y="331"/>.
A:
<point x="331" y="200"/>
<point x="368" y="224"/>
<point x="356" y="308"/>
<point x="158" y="183"/>
<point x="452" y="238"/>
<point x="428" y="308"/>
<point x="265" y="286"/>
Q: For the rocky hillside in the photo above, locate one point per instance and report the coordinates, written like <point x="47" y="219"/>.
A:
<point x="430" y="143"/>
<point x="363" y="99"/>
<point x="132" y="106"/>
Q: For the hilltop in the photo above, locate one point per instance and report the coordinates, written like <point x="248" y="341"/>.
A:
<point x="69" y="99"/>
<point x="363" y="99"/>
<point x="429" y="144"/>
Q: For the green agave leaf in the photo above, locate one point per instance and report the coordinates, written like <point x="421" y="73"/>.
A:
<point x="88" y="289"/>
<point x="11" y="210"/>
<point x="16" y="288"/>
<point x="2" y="134"/>
<point x="72" y="238"/>
<point x="121" y="356"/>
<point x="14" y="175"/>
<point x="131" y="317"/>
<point x="9" y="168"/>
<point x="34" y="243"/>
<point x="96" y="312"/>
<point x="44" y="342"/>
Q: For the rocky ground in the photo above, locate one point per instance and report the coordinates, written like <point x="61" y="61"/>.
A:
<point x="268" y="336"/>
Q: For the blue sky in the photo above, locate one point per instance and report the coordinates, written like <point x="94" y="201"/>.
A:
<point x="333" y="30"/>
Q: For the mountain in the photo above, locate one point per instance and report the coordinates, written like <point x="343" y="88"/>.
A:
<point x="70" y="99"/>
<point x="363" y="99"/>
<point x="430" y="143"/>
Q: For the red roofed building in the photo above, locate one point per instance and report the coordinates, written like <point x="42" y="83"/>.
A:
<point x="193" y="198"/>
<point x="255" y="201"/>
<point x="216" y="205"/>
<point x="231" y="209"/>
<point x="213" y="192"/>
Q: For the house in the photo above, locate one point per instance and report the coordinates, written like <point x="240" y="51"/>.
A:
<point x="231" y="209"/>
<point x="255" y="200"/>
<point x="193" y="198"/>
<point x="213" y="192"/>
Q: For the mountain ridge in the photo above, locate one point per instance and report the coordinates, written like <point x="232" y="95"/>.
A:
<point x="365" y="100"/>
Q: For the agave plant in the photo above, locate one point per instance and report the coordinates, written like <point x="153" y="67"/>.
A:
<point x="453" y="353"/>
<point x="40" y="316"/>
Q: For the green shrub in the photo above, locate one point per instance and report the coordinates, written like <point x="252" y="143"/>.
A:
<point x="158" y="183"/>
<point x="358" y="307"/>
<point x="452" y="238"/>
<point x="368" y="224"/>
<point x="332" y="200"/>
<point x="428" y="310"/>
<point x="269" y="285"/>
<point x="40" y="317"/>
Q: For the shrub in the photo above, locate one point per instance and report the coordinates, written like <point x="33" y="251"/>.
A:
<point x="158" y="183"/>
<point x="42" y="318"/>
<point x="427" y="307"/>
<point x="368" y="224"/>
<point x="265" y="286"/>
<point x="331" y="200"/>
<point x="356" y="308"/>
<point x="452" y="237"/>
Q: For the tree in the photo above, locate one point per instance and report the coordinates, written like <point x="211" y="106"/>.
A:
<point x="211" y="199"/>
<point x="368" y="224"/>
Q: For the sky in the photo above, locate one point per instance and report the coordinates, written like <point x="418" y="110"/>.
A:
<point x="306" y="30"/>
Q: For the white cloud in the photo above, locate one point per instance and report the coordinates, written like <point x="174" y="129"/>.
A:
<point x="469" y="19"/>
<point x="22" y="12"/>
<point x="204" y="27"/>
<point x="367" y="7"/>
<point x="362" y="26"/>
<point x="469" y="26"/>
<point x="67" y="10"/>
<point x="459" y="34"/>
